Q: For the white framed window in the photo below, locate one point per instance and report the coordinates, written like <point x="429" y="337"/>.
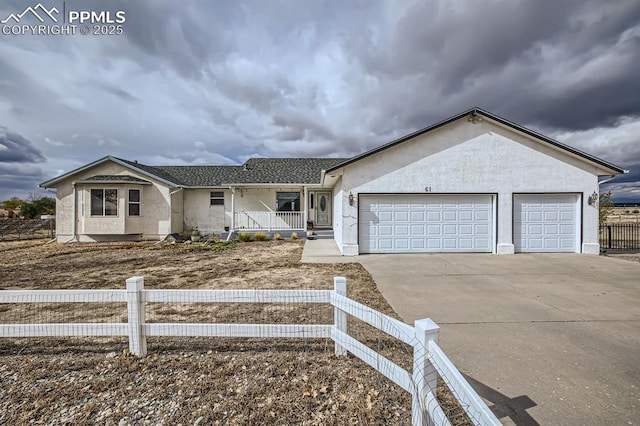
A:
<point x="288" y="201"/>
<point x="134" y="202"/>
<point x="104" y="202"/>
<point x="217" y="198"/>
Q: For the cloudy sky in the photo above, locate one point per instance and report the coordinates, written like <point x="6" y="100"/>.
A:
<point x="216" y="82"/>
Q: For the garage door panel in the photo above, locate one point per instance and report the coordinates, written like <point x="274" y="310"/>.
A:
<point x="567" y="216"/>
<point x="401" y="216"/>
<point x="465" y="215"/>
<point x="434" y="216"/>
<point x="417" y="216"/>
<point x="418" y="230"/>
<point x="426" y="223"/>
<point x="545" y="222"/>
<point x="450" y="215"/>
<point x="401" y="230"/>
<point x="481" y="215"/>
<point x="434" y="229"/>
<point x="465" y="229"/>
<point x="466" y="243"/>
<point x="385" y="230"/>
<point x="449" y="229"/>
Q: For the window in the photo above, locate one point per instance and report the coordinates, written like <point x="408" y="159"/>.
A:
<point x="134" y="202"/>
<point x="311" y="199"/>
<point x="287" y="201"/>
<point x="217" y="198"/>
<point x="104" y="202"/>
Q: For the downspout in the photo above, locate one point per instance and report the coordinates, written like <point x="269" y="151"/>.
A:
<point x="305" y="216"/>
<point x="606" y="180"/>
<point x="233" y="212"/>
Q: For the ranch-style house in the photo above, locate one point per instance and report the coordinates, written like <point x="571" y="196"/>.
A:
<point x="474" y="182"/>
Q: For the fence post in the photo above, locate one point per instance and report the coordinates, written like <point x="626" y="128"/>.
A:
<point x="425" y="376"/>
<point x="135" y="310"/>
<point x="339" y="316"/>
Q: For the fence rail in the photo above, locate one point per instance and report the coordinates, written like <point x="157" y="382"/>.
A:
<point x="24" y="229"/>
<point x="429" y="361"/>
<point x="620" y="237"/>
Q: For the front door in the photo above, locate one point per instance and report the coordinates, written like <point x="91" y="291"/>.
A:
<point x="323" y="208"/>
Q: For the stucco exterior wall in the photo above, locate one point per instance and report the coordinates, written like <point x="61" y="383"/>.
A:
<point x="199" y="212"/>
<point x="463" y="157"/>
<point x="153" y="222"/>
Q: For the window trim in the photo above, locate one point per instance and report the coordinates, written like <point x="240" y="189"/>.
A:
<point x="104" y="204"/>
<point x="130" y="203"/>
<point x="214" y="200"/>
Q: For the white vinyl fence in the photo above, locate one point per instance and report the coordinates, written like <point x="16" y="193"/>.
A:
<point x="429" y="361"/>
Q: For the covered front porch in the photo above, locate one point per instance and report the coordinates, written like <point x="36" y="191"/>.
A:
<point x="279" y="208"/>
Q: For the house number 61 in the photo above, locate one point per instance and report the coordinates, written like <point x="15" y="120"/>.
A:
<point x="427" y="189"/>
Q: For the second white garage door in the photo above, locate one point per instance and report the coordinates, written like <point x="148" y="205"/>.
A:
<point x="425" y="223"/>
<point x="545" y="223"/>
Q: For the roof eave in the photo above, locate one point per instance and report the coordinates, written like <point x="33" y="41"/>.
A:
<point x="51" y="182"/>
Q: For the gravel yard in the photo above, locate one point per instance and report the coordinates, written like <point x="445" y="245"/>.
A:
<point x="190" y="380"/>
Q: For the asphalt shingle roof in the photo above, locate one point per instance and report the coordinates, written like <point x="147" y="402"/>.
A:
<point x="254" y="170"/>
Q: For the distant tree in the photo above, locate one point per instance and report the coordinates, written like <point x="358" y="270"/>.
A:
<point x="12" y="204"/>
<point x="37" y="207"/>
<point x="605" y="206"/>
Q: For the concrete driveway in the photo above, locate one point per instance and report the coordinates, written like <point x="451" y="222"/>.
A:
<point x="547" y="339"/>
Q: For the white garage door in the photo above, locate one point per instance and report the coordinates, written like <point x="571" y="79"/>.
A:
<point x="425" y="223"/>
<point x="545" y="223"/>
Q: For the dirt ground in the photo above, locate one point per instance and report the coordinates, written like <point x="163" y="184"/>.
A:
<point x="190" y="380"/>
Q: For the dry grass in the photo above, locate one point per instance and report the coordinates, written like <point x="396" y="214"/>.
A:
<point x="189" y="380"/>
<point x="624" y="215"/>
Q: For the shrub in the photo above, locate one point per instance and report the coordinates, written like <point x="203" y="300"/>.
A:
<point x="277" y="236"/>
<point x="260" y="236"/>
<point x="636" y="211"/>
<point x="294" y="235"/>
<point x="244" y="237"/>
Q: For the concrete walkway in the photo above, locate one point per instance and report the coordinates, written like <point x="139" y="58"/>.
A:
<point x="546" y="339"/>
<point x="323" y="249"/>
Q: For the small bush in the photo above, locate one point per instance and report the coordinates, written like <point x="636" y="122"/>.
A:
<point x="294" y="236"/>
<point x="244" y="237"/>
<point x="636" y="211"/>
<point x="260" y="236"/>
<point x="277" y="236"/>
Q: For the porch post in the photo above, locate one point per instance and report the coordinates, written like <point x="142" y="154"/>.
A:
<point x="305" y="214"/>
<point x="233" y="210"/>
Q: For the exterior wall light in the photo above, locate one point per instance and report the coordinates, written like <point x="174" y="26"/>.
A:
<point x="350" y="198"/>
<point x="593" y="198"/>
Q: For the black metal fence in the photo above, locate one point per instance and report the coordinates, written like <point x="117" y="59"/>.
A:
<point x="620" y="237"/>
<point x="26" y="229"/>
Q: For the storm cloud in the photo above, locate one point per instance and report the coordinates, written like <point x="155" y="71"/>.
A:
<point x="217" y="82"/>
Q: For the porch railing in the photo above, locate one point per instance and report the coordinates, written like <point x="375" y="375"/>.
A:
<point x="268" y="221"/>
